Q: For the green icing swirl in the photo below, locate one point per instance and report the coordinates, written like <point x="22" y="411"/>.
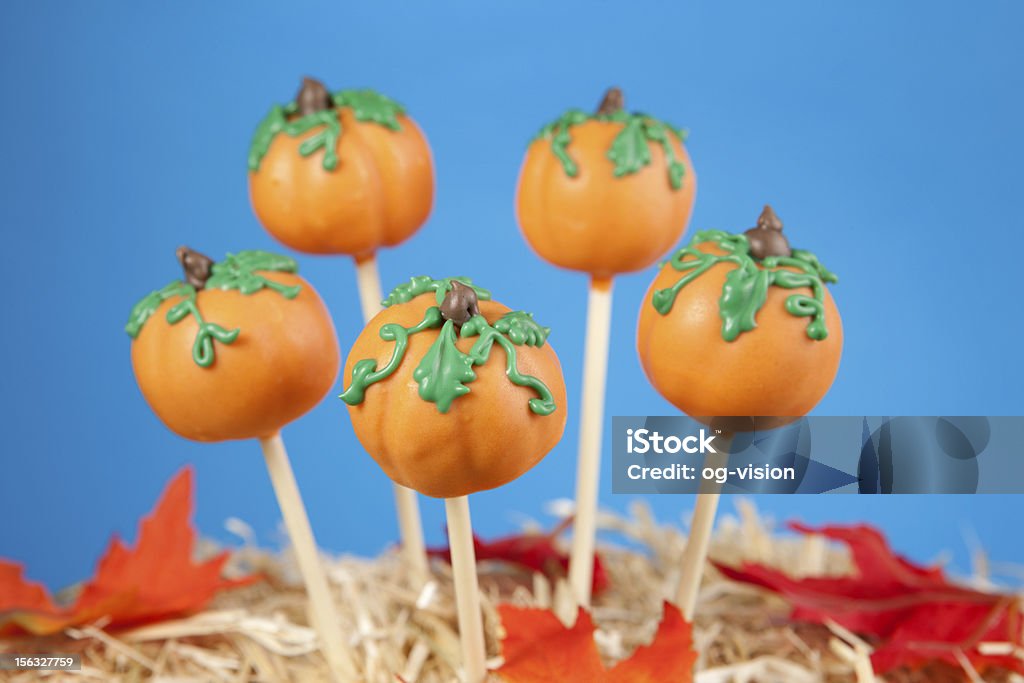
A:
<point x="445" y="371"/>
<point x="241" y="271"/>
<point x="422" y="284"/>
<point x="202" y="347"/>
<point x="366" y="105"/>
<point x="746" y="287"/>
<point x="236" y="271"/>
<point x="629" y="151"/>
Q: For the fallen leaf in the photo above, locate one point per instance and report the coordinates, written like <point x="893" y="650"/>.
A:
<point x="670" y="657"/>
<point x="156" y="580"/>
<point x="22" y="601"/>
<point x="537" y="648"/>
<point x="537" y="552"/>
<point x="913" y="614"/>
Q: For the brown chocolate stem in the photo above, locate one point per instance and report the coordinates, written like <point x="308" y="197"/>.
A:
<point x="614" y="101"/>
<point x="766" y="239"/>
<point x="769" y="220"/>
<point x="312" y="97"/>
<point x="460" y="304"/>
<point x="198" y="267"/>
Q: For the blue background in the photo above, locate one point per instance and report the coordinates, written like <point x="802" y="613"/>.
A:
<point x="887" y="135"/>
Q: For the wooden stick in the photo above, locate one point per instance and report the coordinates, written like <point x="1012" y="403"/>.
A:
<point x="368" y="280"/>
<point x="467" y="591"/>
<point x="588" y="464"/>
<point x="408" y="507"/>
<point x="696" y="554"/>
<point x="325" y="618"/>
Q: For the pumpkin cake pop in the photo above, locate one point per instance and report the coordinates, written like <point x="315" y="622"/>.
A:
<point x="605" y="193"/>
<point x="602" y="193"/>
<point x="725" y="338"/>
<point x="722" y="332"/>
<point x="452" y="393"/>
<point x="340" y="173"/>
<point x="346" y="173"/>
<point x="237" y="349"/>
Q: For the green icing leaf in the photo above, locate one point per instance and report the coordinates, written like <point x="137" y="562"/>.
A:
<point x="743" y="294"/>
<point x="629" y="151"/>
<point x="366" y="105"/>
<point x="521" y="328"/>
<point x="421" y="284"/>
<point x="444" y="370"/>
<point x="370" y="105"/>
<point x="746" y="287"/>
<point x="240" y="271"/>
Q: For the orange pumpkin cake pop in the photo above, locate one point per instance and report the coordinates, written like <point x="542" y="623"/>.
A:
<point x="452" y="393"/>
<point x="741" y="325"/>
<point x="605" y="193"/>
<point x="725" y="338"/>
<point x="340" y="173"/>
<point x="602" y="193"/>
<point x="237" y="350"/>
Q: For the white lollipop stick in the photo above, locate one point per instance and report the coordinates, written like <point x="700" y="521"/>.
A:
<point x="467" y="590"/>
<point x="696" y="554"/>
<point x="409" y="524"/>
<point x="325" y="618"/>
<point x="588" y="465"/>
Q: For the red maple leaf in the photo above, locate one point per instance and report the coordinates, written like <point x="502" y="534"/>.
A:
<point x="157" y="580"/>
<point x="913" y="613"/>
<point x="537" y="552"/>
<point x="538" y="649"/>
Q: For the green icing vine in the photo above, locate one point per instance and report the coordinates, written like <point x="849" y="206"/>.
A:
<point x="422" y="284"/>
<point x="202" y="347"/>
<point x="148" y="305"/>
<point x="236" y="271"/>
<point x="629" y="151"/>
<point x="513" y="329"/>
<point x="445" y="371"/>
<point x="370" y="105"/>
<point x="239" y="271"/>
<point x="366" y="105"/>
<point x="746" y="287"/>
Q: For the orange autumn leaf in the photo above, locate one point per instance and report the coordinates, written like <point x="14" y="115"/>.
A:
<point x="24" y="603"/>
<point x="158" y="579"/>
<point x="537" y="649"/>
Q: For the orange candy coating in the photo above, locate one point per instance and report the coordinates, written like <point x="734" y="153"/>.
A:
<point x="774" y="370"/>
<point x="487" y="438"/>
<point x="595" y="222"/>
<point x="379" y="194"/>
<point x="283" y="362"/>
